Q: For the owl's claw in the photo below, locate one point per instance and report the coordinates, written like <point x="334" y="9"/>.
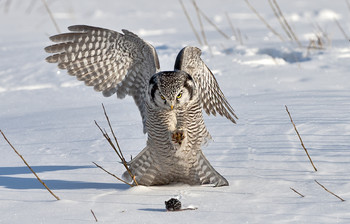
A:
<point x="178" y="137"/>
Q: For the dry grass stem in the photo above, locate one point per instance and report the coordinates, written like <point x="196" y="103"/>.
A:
<point x="280" y="20"/>
<point x="240" y="36"/>
<point x="236" y="33"/>
<point x="342" y="30"/>
<point x="92" y="212"/>
<point x="329" y="191"/>
<point x="37" y="177"/>
<point x="213" y="24"/>
<point x="201" y="24"/>
<point x="297" y="192"/>
<point x="190" y="22"/>
<point x="118" y="151"/>
<point x="301" y="141"/>
<point x="287" y="24"/>
<point x="348" y="4"/>
<point x="264" y="21"/>
<point x="120" y="179"/>
<point x="51" y="15"/>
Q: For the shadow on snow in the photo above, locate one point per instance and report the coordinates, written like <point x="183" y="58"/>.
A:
<point x="33" y="183"/>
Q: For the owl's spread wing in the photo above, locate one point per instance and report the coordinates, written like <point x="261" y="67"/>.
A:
<point x="110" y="61"/>
<point x="213" y="99"/>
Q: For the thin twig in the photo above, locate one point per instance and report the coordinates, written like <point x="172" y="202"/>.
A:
<point x="348" y="4"/>
<point x="263" y="20"/>
<point x="329" y="191"/>
<point x="115" y="138"/>
<point x="37" y="177"/>
<point x="200" y="23"/>
<point x="94" y="215"/>
<point x="240" y="36"/>
<point x="213" y="24"/>
<point x="297" y="192"/>
<point x="118" y="151"/>
<point x="287" y="24"/>
<point x="342" y="30"/>
<point x="51" y="15"/>
<point x="113" y="175"/>
<point x="234" y="32"/>
<point x="190" y="22"/>
<point x="280" y="20"/>
<point x="301" y="141"/>
<point x="120" y="154"/>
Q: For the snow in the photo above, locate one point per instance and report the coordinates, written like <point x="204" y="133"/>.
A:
<point x="49" y="117"/>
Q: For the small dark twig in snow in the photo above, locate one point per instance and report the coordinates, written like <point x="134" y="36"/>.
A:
<point x="25" y="162"/>
<point x="301" y="141"/>
<point x="94" y="215"/>
<point x="297" y="192"/>
<point x="329" y="191"/>
<point x="112" y="174"/>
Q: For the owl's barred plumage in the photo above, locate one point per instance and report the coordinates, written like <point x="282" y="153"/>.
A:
<point x="170" y="103"/>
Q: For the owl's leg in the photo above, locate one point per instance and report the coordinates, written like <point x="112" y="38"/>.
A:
<point x="207" y="174"/>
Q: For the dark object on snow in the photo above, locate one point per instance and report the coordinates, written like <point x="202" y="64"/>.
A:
<point x="173" y="205"/>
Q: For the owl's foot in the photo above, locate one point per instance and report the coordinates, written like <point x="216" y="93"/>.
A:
<point x="178" y="137"/>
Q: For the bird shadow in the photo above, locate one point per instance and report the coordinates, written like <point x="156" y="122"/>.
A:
<point x="25" y="183"/>
<point x="152" y="209"/>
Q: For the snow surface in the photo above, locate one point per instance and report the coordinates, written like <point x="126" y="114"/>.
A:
<point x="49" y="116"/>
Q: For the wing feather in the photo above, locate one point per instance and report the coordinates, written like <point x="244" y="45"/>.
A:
<point x="213" y="99"/>
<point x="110" y="61"/>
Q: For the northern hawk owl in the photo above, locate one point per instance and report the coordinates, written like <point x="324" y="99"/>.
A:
<point x="170" y="102"/>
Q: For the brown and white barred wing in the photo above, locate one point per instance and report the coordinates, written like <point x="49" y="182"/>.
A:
<point x="212" y="98"/>
<point x="112" y="62"/>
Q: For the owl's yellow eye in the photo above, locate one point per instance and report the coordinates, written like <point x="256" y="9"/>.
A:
<point x="179" y="95"/>
<point x="162" y="97"/>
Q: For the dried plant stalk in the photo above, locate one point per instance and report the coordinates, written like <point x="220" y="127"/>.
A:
<point x="348" y="4"/>
<point x="118" y="151"/>
<point x="297" y="192"/>
<point x="190" y="22"/>
<point x="213" y="24"/>
<point x="287" y="24"/>
<point x="280" y="20"/>
<point x="200" y="22"/>
<point x="329" y="191"/>
<point x="301" y="141"/>
<point x="93" y="213"/>
<point x="264" y="21"/>
<point x="120" y="179"/>
<point x="234" y="32"/>
<point x="51" y="15"/>
<point x="342" y="30"/>
<point x="25" y="162"/>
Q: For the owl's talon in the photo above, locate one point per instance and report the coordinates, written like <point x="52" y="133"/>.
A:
<point x="178" y="137"/>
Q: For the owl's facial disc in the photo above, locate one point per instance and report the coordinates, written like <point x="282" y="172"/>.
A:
<point x="171" y="90"/>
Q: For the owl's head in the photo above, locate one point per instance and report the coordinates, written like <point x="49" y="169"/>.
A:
<point x="171" y="89"/>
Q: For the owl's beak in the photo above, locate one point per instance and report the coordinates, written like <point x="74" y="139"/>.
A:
<point x="171" y="106"/>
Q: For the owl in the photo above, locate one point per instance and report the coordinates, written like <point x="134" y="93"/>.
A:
<point x="170" y="102"/>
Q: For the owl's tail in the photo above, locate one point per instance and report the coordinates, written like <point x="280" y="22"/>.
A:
<point x="142" y="167"/>
<point x="148" y="173"/>
<point x="207" y="174"/>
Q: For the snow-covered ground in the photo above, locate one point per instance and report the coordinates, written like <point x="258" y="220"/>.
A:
<point x="49" y="116"/>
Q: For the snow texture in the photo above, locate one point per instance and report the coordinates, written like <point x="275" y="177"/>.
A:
<point x="49" y="116"/>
